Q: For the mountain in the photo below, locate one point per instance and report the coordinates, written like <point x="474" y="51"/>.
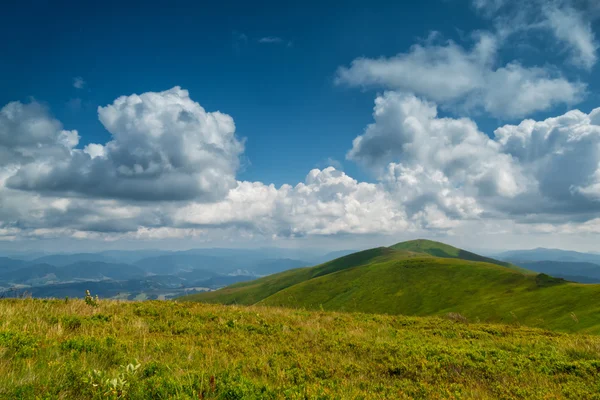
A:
<point x="583" y="272"/>
<point x="10" y="264"/>
<point x="443" y="250"/>
<point x="541" y="254"/>
<point x="182" y="262"/>
<point x="330" y="256"/>
<point x="570" y="265"/>
<point x="272" y="266"/>
<point x="424" y="278"/>
<point x="37" y="274"/>
<point x="60" y="260"/>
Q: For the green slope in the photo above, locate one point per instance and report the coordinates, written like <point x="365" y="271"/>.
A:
<point x="444" y="250"/>
<point x="434" y="286"/>
<point x="435" y="281"/>
<point x="253" y="291"/>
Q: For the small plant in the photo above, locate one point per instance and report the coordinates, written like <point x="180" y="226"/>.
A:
<point x="574" y="317"/>
<point x="116" y="387"/>
<point x="91" y="301"/>
<point x="454" y="316"/>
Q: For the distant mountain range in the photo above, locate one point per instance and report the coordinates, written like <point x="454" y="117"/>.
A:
<point x="146" y="273"/>
<point x="542" y="254"/>
<point x="423" y="277"/>
<point x="571" y="265"/>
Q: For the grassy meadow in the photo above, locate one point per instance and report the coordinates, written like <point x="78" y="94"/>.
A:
<point x="69" y="349"/>
<point x="407" y="280"/>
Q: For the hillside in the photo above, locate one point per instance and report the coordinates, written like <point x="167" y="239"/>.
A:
<point x="54" y="349"/>
<point x="443" y="250"/>
<point x="400" y="280"/>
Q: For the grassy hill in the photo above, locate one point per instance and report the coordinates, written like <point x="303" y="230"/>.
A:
<point x="56" y="349"/>
<point x="444" y="250"/>
<point x="407" y="279"/>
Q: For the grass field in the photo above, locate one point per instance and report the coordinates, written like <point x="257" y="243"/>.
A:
<point x="406" y="279"/>
<point x="49" y="349"/>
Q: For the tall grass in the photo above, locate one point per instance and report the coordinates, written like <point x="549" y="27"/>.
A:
<point x="67" y="349"/>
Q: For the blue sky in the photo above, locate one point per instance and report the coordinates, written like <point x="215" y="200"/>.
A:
<point x="300" y="82"/>
<point x="281" y="95"/>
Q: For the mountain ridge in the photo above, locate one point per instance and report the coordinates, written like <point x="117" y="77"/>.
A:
<point x="406" y="279"/>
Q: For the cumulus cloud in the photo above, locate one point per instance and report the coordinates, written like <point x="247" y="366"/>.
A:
<point x="431" y="174"/>
<point x="456" y="77"/>
<point x="328" y="202"/>
<point x="544" y="170"/>
<point x="164" y="146"/>
<point x="440" y="151"/>
<point x="28" y="133"/>
<point x="562" y="156"/>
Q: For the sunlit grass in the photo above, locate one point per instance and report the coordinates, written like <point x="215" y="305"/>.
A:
<point x="50" y="349"/>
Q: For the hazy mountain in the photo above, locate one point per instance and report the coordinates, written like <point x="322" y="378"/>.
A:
<point x="268" y="267"/>
<point x="143" y="270"/>
<point x="61" y="260"/>
<point x="574" y="271"/>
<point x="329" y="256"/>
<point x="9" y="264"/>
<point x="542" y="254"/>
<point x="182" y="262"/>
<point x="37" y="274"/>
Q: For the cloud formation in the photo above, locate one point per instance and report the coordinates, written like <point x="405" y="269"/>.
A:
<point x="568" y="21"/>
<point x="329" y="202"/>
<point x="164" y="147"/>
<point x="274" y="40"/>
<point x="169" y="171"/>
<point x="465" y="79"/>
<point x="540" y="169"/>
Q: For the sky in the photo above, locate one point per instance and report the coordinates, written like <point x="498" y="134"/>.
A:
<point x="341" y="125"/>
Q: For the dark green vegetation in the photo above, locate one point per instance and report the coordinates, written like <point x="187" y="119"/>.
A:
<point x="408" y="279"/>
<point x="52" y="349"/>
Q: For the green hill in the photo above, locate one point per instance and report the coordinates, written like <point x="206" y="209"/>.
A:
<point x="425" y="278"/>
<point x="57" y="349"/>
<point x="443" y="250"/>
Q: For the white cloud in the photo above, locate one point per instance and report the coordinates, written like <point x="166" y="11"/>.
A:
<point x="443" y="152"/>
<point x="461" y="79"/>
<point x="274" y="40"/>
<point x="78" y="83"/>
<point x="329" y="202"/>
<point x="433" y="175"/>
<point x="562" y="156"/>
<point x="271" y="39"/>
<point x="569" y="26"/>
<point x="28" y="133"/>
<point x="543" y="170"/>
<point x="164" y="146"/>
<point x="569" y="21"/>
